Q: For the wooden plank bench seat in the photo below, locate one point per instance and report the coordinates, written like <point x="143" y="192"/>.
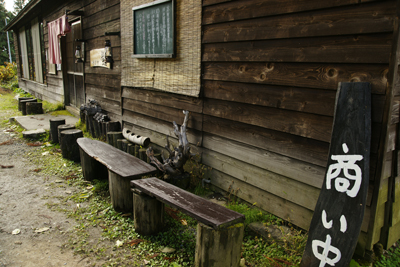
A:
<point x="219" y="231"/>
<point x="101" y="160"/>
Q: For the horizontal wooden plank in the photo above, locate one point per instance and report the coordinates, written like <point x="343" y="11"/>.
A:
<point x="310" y="75"/>
<point x="110" y="106"/>
<point x="99" y="30"/>
<point x="163" y="113"/>
<point x="249" y="9"/>
<point x="213" y="2"/>
<point x="292" y="98"/>
<point x="159" y="126"/>
<point x="308" y="100"/>
<point x="297" y="170"/>
<point x="115" y="70"/>
<point x="201" y="209"/>
<point x="304" y="149"/>
<point x="105" y="15"/>
<point x="286" y="188"/>
<point x="104" y="92"/>
<point x="369" y="49"/>
<point x="302" y="124"/>
<point x="266" y="201"/>
<point x="183" y="102"/>
<point x="94" y="7"/>
<point x="100" y="43"/>
<point x="103" y="80"/>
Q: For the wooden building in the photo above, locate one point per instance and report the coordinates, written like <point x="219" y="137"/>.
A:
<point x="259" y="78"/>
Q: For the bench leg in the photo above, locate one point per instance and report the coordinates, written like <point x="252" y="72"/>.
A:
<point x="120" y="192"/>
<point x="91" y="168"/>
<point x="218" y="248"/>
<point x="148" y="214"/>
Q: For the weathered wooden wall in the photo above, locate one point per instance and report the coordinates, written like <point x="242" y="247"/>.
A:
<point x="102" y="84"/>
<point x="270" y="75"/>
<point x="271" y="70"/>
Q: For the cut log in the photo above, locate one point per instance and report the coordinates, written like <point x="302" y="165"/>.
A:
<point x="113" y="138"/>
<point x="90" y="125"/>
<point x="120" y="192"/>
<point x="124" y="145"/>
<point x="113" y="126"/>
<point x="23" y="104"/>
<point x="131" y="149"/>
<point x="34" y="108"/>
<point x="142" y="154"/>
<point x="148" y="214"/>
<point x="19" y="101"/>
<point x="218" y="248"/>
<point x="137" y="147"/>
<point x="63" y="127"/>
<point x="54" y="123"/>
<point x="91" y="168"/>
<point x="119" y="144"/>
<point x="69" y="146"/>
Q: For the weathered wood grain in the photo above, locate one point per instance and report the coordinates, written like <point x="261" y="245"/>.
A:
<point x="282" y="208"/>
<point x="152" y="127"/>
<point x="193" y="104"/>
<point x="106" y="92"/>
<point x="284" y="97"/>
<point x="294" y="169"/>
<point x="163" y="113"/>
<point x="286" y="188"/>
<point x="247" y="9"/>
<point x="297" y="147"/>
<point x="103" y="80"/>
<point x="321" y="76"/>
<point x="105" y="15"/>
<point x="303" y="124"/>
<point x="369" y="49"/>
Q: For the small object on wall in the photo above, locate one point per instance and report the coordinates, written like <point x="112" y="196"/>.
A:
<point x="98" y="58"/>
<point x="137" y="139"/>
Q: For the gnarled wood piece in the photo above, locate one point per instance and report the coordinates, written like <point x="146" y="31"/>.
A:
<point x="173" y="165"/>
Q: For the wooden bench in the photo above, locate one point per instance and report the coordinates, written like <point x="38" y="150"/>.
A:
<point x="219" y="231"/>
<point x="100" y="160"/>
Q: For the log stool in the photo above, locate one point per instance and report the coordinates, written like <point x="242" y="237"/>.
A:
<point x="69" y="146"/>
<point x="54" y="123"/>
<point x="23" y="105"/>
<point x="63" y="127"/>
<point x="19" y="101"/>
<point x="34" y="108"/>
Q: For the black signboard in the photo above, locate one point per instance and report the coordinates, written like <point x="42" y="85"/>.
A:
<point x="339" y="212"/>
<point x="154" y="30"/>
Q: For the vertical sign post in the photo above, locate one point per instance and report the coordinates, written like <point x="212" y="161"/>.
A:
<point x="339" y="212"/>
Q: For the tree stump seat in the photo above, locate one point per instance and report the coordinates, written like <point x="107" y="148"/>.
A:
<point x="219" y="231"/>
<point x="100" y="160"/>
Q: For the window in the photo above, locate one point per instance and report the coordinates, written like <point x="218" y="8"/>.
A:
<point x="32" y="56"/>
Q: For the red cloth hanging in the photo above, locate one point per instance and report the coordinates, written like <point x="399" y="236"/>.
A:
<point x="56" y="29"/>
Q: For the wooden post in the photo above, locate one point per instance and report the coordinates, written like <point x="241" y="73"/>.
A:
<point x="131" y="149"/>
<point x="137" y="147"/>
<point x="63" y="127"/>
<point x="69" y="146"/>
<point x="218" y="248"/>
<point x="120" y="192"/>
<point x="91" y="168"/>
<point x="34" y="108"/>
<point x="142" y="154"/>
<point x="113" y="137"/>
<point x="119" y="144"/>
<point x="113" y="126"/>
<point x="124" y="145"/>
<point x="19" y="101"/>
<point x="23" y="104"/>
<point x="54" y="123"/>
<point x="148" y="214"/>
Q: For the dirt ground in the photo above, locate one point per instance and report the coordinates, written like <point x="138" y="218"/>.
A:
<point x="23" y="197"/>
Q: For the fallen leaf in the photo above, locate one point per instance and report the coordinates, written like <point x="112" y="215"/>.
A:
<point x="146" y="262"/>
<point x="18" y="243"/>
<point x="184" y="222"/>
<point x="45" y="153"/>
<point x="58" y="181"/>
<point x="154" y="255"/>
<point x="126" y="214"/>
<point x="68" y="192"/>
<point x="37" y="170"/>
<point x="6" y="142"/>
<point x="34" y="144"/>
<point x="6" y="167"/>
<point x="16" y="232"/>
<point x="41" y="230"/>
<point x="135" y="242"/>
